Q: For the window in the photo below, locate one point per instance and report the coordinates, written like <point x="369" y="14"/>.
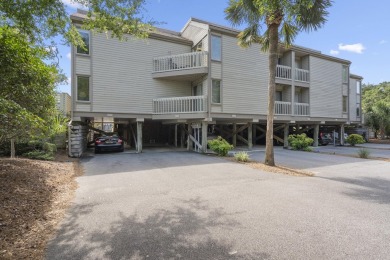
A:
<point x="358" y="86"/>
<point x="278" y="96"/>
<point x="216" y="48"/>
<point x="345" y="104"/>
<point x="358" y="110"/>
<point x="85" y="36"/>
<point x="345" y="74"/>
<point x="82" y="88"/>
<point x="216" y="92"/>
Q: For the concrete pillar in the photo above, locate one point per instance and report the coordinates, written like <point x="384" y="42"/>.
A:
<point x="175" y="140"/>
<point x="189" y="141"/>
<point x="316" y="134"/>
<point x="254" y="130"/>
<point x="204" y="137"/>
<point x="342" y="134"/>
<point x="234" y="142"/>
<point x="139" y="137"/>
<point x="250" y="135"/>
<point x="182" y="134"/>
<point x="286" y="133"/>
<point x="293" y="83"/>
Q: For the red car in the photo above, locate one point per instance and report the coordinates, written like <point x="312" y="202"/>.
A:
<point x="108" y="142"/>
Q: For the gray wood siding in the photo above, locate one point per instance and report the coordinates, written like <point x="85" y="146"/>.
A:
<point x="325" y="88"/>
<point x="286" y="59"/>
<point x="216" y="70"/>
<point x="80" y="107"/>
<point x="196" y="32"/>
<point x="122" y="80"/>
<point x="83" y="65"/>
<point x="245" y="78"/>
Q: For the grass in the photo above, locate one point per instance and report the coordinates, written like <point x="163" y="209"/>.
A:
<point x="242" y="156"/>
<point x="363" y="153"/>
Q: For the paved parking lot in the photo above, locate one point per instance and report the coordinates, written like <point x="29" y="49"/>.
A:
<point x="181" y="205"/>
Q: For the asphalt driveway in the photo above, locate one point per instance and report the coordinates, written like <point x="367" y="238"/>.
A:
<point x="181" y="205"/>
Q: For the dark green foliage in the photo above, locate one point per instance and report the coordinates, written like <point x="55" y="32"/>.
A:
<point x="39" y="155"/>
<point x="300" y="142"/>
<point x="355" y="139"/>
<point x="220" y="146"/>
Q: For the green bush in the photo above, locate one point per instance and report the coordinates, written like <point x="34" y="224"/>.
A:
<point x="355" y="139"/>
<point x="363" y="153"/>
<point x="300" y="142"/>
<point x="220" y="146"/>
<point x="242" y="156"/>
<point x="49" y="148"/>
<point x="39" y="155"/>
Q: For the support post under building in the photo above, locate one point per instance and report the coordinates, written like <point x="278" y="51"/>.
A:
<point x="316" y="134"/>
<point x="204" y="137"/>
<point x="139" y="137"/>
<point x="250" y="140"/>
<point x="285" y="139"/>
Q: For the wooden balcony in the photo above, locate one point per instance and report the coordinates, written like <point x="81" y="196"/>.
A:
<point x="180" y="105"/>
<point x="284" y="73"/>
<point x="284" y="108"/>
<point x="186" y="66"/>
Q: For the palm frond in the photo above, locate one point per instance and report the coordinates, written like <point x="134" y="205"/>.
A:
<point x="288" y="32"/>
<point x="312" y="17"/>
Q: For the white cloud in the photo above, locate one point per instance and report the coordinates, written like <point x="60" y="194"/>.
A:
<point x="356" y="48"/>
<point x="72" y="4"/>
<point x="68" y="55"/>
<point x="69" y="80"/>
<point x="382" y="42"/>
<point x="334" y="52"/>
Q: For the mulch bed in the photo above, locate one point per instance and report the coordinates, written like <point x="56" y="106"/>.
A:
<point x="33" y="198"/>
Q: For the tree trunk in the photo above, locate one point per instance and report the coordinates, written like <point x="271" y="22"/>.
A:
<point x="272" y="59"/>
<point x="12" y="148"/>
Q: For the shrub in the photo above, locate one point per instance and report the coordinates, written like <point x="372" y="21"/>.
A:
<point x="300" y="142"/>
<point x="39" y="155"/>
<point x="355" y="139"/>
<point x="242" y="156"/>
<point x="363" y="153"/>
<point x="220" y="146"/>
<point x="49" y="148"/>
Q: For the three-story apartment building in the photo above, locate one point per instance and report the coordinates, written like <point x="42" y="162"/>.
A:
<point x="181" y="87"/>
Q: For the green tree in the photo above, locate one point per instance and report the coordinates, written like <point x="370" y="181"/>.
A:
<point x="26" y="86"/>
<point x="42" y="20"/>
<point x="376" y="107"/>
<point x="268" y="23"/>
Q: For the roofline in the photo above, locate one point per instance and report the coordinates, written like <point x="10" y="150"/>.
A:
<point x="355" y="76"/>
<point x="152" y="35"/>
<point x="234" y="32"/>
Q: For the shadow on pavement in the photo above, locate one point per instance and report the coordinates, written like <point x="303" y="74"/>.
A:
<point x="375" y="190"/>
<point x="184" y="232"/>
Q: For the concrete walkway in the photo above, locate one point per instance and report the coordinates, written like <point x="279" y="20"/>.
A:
<point x="181" y="205"/>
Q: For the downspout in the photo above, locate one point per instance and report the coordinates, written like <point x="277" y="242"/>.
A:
<point x="209" y="75"/>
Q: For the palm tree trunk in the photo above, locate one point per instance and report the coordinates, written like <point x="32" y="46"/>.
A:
<point x="272" y="60"/>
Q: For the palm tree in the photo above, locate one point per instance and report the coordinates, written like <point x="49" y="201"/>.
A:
<point x="282" y="20"/>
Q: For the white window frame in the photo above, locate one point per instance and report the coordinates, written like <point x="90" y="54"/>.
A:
<point x="212" y="91"/>
<point x="345" y="74"/>
<point x="358" y="87"/>
<point x="89" y="43"/>
<point x="344" y="98"/>
<point x="77" y="88"/>
<point x="213" y="51"/>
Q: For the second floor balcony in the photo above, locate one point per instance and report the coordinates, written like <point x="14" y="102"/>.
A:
<point x="284" y="108"/>
<point x="285" y="72"/>
<point x="184" y="66"/>
<point x="180" y="105"/>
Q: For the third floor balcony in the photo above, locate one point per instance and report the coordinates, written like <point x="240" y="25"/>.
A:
<point x="186" y="66"/>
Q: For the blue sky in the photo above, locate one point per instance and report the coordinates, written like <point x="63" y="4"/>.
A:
<point x="357" y="30"/>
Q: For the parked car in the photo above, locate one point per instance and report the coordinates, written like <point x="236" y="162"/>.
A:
<point x="108" y="142"/>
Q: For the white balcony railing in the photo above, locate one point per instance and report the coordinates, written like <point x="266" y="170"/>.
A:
<point x="282" y="108"/>
<point x="177" y="105"/>
<point x="179" y="62"/>
<point x="283" y="72"/>
<point x="301" y="109"/>
<point x="302" y="75"/>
